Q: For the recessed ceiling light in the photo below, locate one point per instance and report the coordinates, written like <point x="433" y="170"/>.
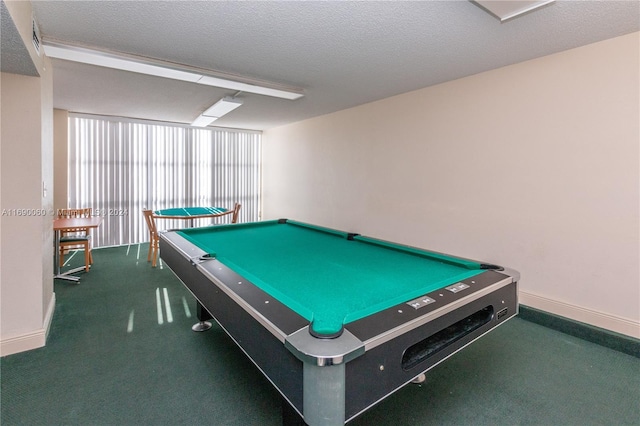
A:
<point x="509" y="9"/>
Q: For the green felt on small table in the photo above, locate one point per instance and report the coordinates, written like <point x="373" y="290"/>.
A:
<point x="322" y="275"/>
<point x="190" y="211"/>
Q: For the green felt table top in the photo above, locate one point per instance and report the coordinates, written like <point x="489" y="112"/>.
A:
<point x="323" y="276"/>
<point x="190" y="211"/>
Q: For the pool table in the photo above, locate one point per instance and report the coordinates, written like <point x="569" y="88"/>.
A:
<point x="336" y="321"/>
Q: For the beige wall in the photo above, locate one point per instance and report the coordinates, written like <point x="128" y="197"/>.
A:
<point x="26" y="199"/>
<point x="60" y="154"/>
<point x="534" y="166"/>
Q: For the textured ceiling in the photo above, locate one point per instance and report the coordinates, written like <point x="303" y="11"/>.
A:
<point x="342" y="54"/>
<point x="14" y="56"/>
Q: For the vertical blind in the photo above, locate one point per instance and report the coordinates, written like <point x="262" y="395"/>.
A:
<point x="118" y="167"/>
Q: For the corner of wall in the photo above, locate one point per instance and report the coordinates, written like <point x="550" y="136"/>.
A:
<point x="32" y="340"/>
<point x="60" y="154"/>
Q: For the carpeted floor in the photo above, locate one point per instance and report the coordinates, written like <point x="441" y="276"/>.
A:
<point x="121" y="352"/>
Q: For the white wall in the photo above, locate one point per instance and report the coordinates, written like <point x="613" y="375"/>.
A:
<point x="26" y="157"/>
<point x="534" y="166"/>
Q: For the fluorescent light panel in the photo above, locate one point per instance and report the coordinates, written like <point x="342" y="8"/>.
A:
<point x="101" y="59"/>
<point x="160" y="69"/>
<point x="505" y="10"/>
<point x="217" y="110"/>
<point x="222" y="107"/>
<point x="250" y="88"/>
<point x="203" y="121"/>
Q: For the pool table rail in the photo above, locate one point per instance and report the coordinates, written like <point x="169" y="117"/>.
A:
<point x="324" y="352"/>
<point x="427" y="316"/>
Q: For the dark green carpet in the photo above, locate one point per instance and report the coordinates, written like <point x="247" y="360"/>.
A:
<point x="102" y="368"/>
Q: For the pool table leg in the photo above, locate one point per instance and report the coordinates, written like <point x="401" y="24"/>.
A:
<point x="421" y="378"/>
<point x="203" y="316"/>
<point x="324" y="394"/>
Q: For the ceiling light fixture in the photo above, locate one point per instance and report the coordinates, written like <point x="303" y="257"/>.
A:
<point x="217" y="110"/>
<point x="247" y="87"/>
<point x="167" y="70"/>
<point x="505" y="10"/>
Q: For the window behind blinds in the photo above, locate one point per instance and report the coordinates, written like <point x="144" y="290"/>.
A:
<point x="118" y="167"/>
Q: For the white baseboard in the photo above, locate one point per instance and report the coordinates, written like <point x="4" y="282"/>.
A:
<point x="32" y="340"/>
<point x="48" y="318"/>
<point x="598" y="319"/>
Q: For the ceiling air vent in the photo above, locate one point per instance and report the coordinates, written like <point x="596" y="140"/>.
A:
<point x="36" y="35"/>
